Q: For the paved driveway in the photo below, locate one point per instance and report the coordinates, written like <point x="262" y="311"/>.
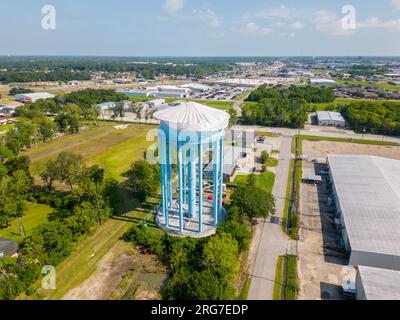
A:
<point x="272" y="242"/>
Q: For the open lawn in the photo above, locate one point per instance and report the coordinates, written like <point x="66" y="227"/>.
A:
<point x="112" y="149"/>
<point x="349" y="140"/>
<point x="34" y="215"/>
<point x="265" y="180"/>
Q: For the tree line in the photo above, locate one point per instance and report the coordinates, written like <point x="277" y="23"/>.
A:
<point x="283" y="106"/>
<point x="378" y="117"/>
<point x="77" y="213"/>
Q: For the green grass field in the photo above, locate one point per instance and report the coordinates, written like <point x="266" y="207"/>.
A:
<point x="34" y="215"/>
<point x="349" y="140"/>
<point x="277" y="294"/>
<point x="291" y="278"/>
<point x="287" y="196"/>
<point x="265" y="180"/>
<point x="112" y="149"/>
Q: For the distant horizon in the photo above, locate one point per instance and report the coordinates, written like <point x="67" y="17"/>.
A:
<point x="187" y="28"/>
<point x="196" y="56"/>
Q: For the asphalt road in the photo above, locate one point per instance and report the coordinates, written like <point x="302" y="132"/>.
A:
<point x="321" y="132"/>
<point x="273" y="242"/>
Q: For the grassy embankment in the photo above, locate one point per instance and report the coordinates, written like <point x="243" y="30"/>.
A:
<point x="285" y="287"/>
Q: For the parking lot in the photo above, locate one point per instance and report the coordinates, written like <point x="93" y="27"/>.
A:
<point x="220" y="92"/>
<point x="321" y="260"/>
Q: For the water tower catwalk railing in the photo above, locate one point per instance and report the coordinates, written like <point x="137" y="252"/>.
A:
<point x="189" y="150"/>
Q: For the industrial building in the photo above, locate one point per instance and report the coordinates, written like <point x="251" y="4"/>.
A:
<point x="231" y="158"/>
<point x="330" y="118"/>
<point x="32" y="97"/>
<point x="137" y="93"/>
<point x="377" y="284"/>
<point x="155" y="103"/>
<point x="366" y="194"/>
<point x="323" y="82"/>
<point x="195" y="87"/>
<point x="174" y="89"/>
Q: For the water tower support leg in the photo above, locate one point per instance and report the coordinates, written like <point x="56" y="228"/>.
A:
<point x="221" y="174"/>
<point x="200" y="187"/>
<point x="215" y="186"/>
<point x="180" y="187"/>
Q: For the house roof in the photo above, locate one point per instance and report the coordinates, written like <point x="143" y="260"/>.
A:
<point x="8" y="247"/>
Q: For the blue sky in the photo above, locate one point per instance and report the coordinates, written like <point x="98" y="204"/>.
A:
<point x="200" y="27"/>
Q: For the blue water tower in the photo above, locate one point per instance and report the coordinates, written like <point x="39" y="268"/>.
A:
<point x="190" y="136"/>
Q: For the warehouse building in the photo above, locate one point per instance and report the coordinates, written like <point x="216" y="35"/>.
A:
<point x="32" y="97"/>
<point x="366" y="193"/>
<point x="323" y="82"/>
<point x="330" y="118"/>
<point x="377" y="284"/>
<point x="155" y="103"/>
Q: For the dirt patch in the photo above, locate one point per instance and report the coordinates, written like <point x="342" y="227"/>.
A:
<point x="110" y="270"/>
<point x="320" y="149"/>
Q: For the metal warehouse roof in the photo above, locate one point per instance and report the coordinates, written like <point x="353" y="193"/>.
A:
<point x="329" y="116"/>
<point x="368" y="190"/>
<point x="192" y="116"/>
<point x="380" y="284"/>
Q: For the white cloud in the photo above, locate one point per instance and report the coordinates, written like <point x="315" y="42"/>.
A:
<point x="296" y="25"/>
<point x="329" y="22"/>
<point x="396" y="4"/>
<point x="375" y="23"/>
<point x="209" y="17"/>
<point x="253" y="28"/>
<point x="172" y="6"/>
<point x="281" y="12"/>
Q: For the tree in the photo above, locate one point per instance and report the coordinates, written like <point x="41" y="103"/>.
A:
<point x="253" y="202"/>
<point x="233" y="119"/>
<point x="49" y="243"/>
<point x="71" y="168"/>
<point x="94" y="188"/>
<point x="143" y="179"/>
<point x="220" y="255"/>
<point x="50" y="174"/>
<point x="239" y="231"/>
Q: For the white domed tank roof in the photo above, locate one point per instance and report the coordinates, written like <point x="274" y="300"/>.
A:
<point x="192" y="116"/>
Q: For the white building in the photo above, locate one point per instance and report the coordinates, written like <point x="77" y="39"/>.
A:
<point x="167" y="94"/>
<point x="155" y="103"/>
<point x="195" y="87"/>
<point x="137" y="93"/>
<point x="174" y="89"/>
<point x="32" y="97"/>
<point x="377" y="284"/>
<point x="323" y="82"/>
<point x="366" y="193"/>
<point x="330" y="118"/>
